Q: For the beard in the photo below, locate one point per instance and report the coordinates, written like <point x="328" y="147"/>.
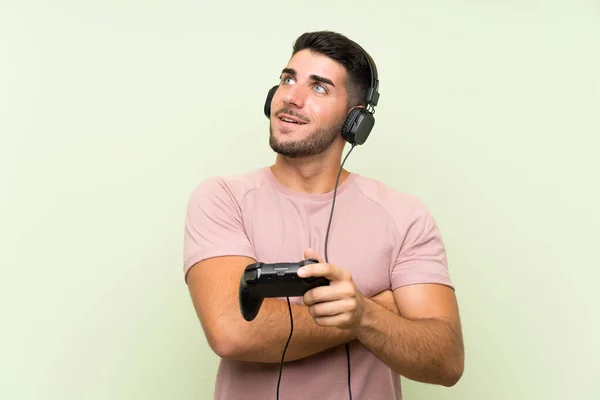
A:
<point x="316" y="143"/>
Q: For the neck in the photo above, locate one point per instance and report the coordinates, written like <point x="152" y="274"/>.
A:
<point x="313" y="175"/>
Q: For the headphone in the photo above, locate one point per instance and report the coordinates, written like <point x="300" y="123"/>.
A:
<point x="360" y="121"/>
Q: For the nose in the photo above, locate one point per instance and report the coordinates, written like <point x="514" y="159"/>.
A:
<point x="294" y="96"/>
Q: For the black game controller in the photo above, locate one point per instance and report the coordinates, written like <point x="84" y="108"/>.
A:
<point x="261" y="280"/>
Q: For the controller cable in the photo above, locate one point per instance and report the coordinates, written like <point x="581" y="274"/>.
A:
<point x="326" y="260"/>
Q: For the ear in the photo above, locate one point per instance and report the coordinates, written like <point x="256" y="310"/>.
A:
<point x="354" y="108"/>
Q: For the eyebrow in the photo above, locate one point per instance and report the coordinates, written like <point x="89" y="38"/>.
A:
<point x="316" y="78"/>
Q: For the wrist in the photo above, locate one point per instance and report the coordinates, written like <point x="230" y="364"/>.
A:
<point x="347" y="334"/>
<point x="368" y="315"/>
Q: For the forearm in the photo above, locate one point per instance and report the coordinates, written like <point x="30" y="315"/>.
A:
<point x="426" y="350"/>
<point x="264" y="338"/>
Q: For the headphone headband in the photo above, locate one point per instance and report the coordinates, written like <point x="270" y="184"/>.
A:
<point x="372" y="97"/>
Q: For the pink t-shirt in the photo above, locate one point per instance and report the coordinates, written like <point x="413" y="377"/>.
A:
<point x="385" y="238"/>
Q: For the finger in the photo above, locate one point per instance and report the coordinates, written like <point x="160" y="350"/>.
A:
<point x="332" y="308"/>
<point x="338" y="321"/>
<point x="329" y="271"/>
<point x="310" y="253"/>
<point x="322" y="294"/>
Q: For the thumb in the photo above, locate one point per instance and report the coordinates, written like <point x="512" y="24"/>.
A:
<point x="310" y="253"/>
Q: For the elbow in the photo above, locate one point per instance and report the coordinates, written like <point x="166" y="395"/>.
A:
<point x="451" y="378"/>
<point x="223" y="343"/>
<point x="454" y="366"/>
<point x="453" y="372"/>
<point x="223" y="348"/>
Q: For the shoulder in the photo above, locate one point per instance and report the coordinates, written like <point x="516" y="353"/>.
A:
<point x="410" y="216"/>
<point x="401" y="206"/>
<point x="228" y="187"/>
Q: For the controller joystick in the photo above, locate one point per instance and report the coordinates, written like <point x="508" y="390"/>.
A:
<point x="261" y="280"/>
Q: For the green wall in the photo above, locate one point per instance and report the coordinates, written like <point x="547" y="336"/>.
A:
<point x="112" y="111"/>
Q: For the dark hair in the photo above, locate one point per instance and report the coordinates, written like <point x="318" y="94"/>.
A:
<point x="343" y="50"/>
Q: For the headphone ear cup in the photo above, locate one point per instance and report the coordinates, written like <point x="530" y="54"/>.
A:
<point x="358" y="126"/>
<point x="363" y="127"/>
<point x="347" y="131"/>
<point x="267" y="108"/>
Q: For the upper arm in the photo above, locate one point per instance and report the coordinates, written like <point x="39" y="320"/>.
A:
<point x="420" y="278"/>
<point x="428" y="300"/>
<point x="216" y="251"/>
<point x="213" y="225"/>
<point x="213" y="285"/>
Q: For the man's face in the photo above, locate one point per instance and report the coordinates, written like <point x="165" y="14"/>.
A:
<point x="309" y="107"/>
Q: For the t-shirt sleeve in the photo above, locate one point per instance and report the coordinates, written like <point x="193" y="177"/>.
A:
<point x="214" y="225"/>
<point x="422" y="255"/>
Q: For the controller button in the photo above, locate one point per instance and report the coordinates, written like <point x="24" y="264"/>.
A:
<point x="251" y="275"/>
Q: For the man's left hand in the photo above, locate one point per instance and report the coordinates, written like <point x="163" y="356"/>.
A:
<point x="338" y="305"/>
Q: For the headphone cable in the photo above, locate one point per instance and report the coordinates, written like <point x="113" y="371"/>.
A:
<point x="286" y="346"/>
<point x="327" y="257"/>
<point x="326" y="260"/>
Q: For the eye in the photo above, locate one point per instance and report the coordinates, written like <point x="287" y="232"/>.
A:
<point x="287" y="80"/>
<point x="321" y="89"/>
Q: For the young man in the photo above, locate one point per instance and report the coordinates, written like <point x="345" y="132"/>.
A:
<point x="390" y="297"/>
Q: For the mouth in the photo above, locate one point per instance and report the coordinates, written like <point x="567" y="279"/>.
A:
<point x="288" y="119"/>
